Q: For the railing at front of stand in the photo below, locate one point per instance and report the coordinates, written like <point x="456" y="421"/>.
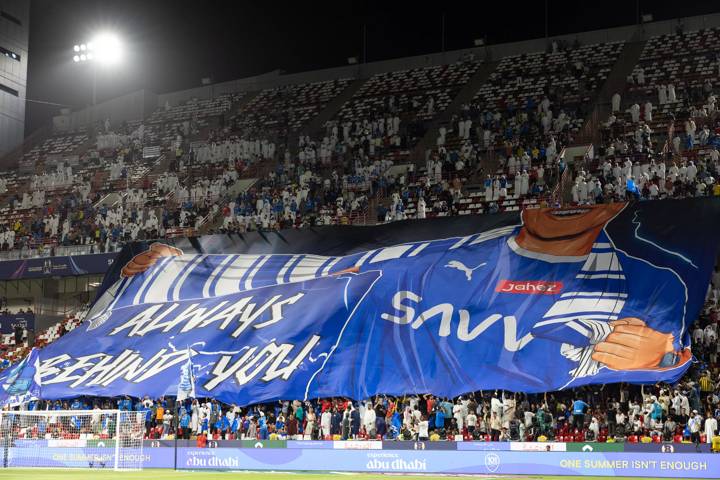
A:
<point x="54" y="250"/>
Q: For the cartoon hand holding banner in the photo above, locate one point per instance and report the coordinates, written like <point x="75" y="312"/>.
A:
<point x="633" y="345"/>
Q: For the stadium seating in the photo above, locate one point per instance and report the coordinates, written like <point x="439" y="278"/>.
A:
<point x="414" y="96"/>
<point x="568" y="77"/>
<point x="686" y="61"/>
<point x="191" y="116"/>
<point x="277" y="111"/>
<point x="408" y="93"/>
<point x="54" y="145"/>
<point x="215" y="143"/>
<point x="11" y="351"/>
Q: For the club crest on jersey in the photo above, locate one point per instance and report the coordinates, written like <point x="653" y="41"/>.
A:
<point x="532" y="287"/>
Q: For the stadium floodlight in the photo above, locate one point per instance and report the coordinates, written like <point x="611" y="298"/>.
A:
<point x="105" y="47"/>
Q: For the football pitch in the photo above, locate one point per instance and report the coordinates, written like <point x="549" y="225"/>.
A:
<point x="163" y="474"/>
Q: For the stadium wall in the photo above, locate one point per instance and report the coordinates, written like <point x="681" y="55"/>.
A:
<point x="133" y="106"/>
<point x="14" y="28"/>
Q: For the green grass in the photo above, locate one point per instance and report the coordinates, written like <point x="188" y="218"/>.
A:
<point x="158" y="474"/>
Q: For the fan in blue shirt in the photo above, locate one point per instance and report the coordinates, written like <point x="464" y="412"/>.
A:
<point x="579" y="407"/>
<point x="439" y="418"/>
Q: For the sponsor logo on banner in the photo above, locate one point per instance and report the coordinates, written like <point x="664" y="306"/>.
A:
<point x="358" y="445"/>
<point x="595" y="447"/>
<point x="392" y="462"/>
<point x="107" y="442"/>
<point x="209" y="459"/>
<point x="534" y="287"/>
<point x="66" y="442"/>
<point x="481" y="445"/>
<point x="538" y="446"/>
<point x="264" y="443"/>
<point x="492" y="462"/>
<point x="310" y="444"/>
<point x="419" y="445"/>
<point x="682" y="448"/>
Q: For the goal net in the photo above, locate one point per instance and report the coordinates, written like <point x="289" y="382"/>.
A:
<point x="105" y="439"/>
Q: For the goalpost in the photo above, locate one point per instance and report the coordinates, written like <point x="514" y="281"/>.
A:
<point x="106" y="439"/>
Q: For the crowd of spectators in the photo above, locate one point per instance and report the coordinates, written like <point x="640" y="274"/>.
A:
<point x="687" y="411"/>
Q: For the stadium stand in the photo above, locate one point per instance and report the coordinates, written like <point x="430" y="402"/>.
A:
<point x="672" y="83"/>
<point x="231" y="165"/>
<point x="392" y="109"/>
<point x="279" y="110"/>
<point x="191" y="116"/>
<point x="11" y="351"/>
<point x="514" y="130"/>
<point x="523" y="117"/>
<point x="661" y="136"/>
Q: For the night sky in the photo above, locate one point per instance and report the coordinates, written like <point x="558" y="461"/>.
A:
<point x="171" y="44"/>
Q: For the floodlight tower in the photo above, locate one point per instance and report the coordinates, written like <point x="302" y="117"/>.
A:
<point x="104" y="49"/>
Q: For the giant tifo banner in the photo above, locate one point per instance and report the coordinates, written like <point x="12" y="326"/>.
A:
<point x="533" y="301"/>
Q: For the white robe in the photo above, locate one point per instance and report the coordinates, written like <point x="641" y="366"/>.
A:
<point x="648" y="112"/>
<point x="421" y="208"/>
<point x="524" y="183"/>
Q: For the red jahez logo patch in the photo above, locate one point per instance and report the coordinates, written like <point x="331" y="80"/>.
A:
<point x="535" y="287"/>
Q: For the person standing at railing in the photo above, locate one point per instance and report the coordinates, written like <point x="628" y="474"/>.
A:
<point x="421" y="208"/>
<point x="442" y="131"/>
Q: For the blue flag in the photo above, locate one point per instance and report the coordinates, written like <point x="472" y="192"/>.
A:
<point x="186" y="385"/>
<point x="21" y="382"/>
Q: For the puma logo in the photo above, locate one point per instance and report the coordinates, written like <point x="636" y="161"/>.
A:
<point x="458" y="265"/>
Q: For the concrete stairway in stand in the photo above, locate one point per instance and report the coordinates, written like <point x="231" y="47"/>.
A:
<point x="465" y="95"/>
<point x="238" y="106"/>
<point x="615" y="83"/>
<point x="316" y="126"/>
